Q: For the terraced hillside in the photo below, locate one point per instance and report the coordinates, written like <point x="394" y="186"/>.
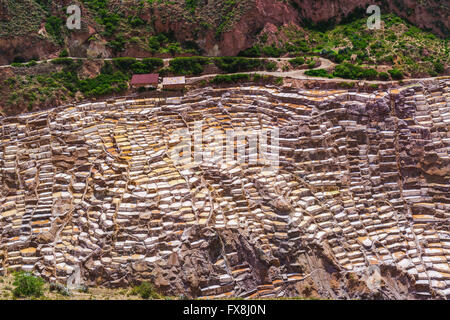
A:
<point x="357" y="207"/>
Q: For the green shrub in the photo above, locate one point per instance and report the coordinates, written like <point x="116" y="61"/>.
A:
<point x="347" y="85"/>
<point x="107" y="68"/>
<point x="104" y="84"/>
<point x="64" y="53"/>
<point x="27" y="285"/>
<point x="271" y="66"/>
<point x="164" y="72"/>
<point x="154" y="44"/>
<point x="396" y="74"/>
<point x="117" y="44"/>
<point x="188" y="65"/>
<point x="297" y="61"/>
<point x="264" y="38"/>
<point x="32" y="63"/>
<point x="345" y="70"/>
<point x="272" y="51"/>
<point x="392" y="37"/>
<point x="359" y="43"/>
<point x="240" y="77"/>
<point x="146" y="291"/>
<point x="153" y="64"/>
<point x="174" y="48"/>
<point x="191" y="4"/>
<point x="319" y="73"/>
<point x="311" y="64"/>
<point x="166" y="43"/>
<point x="389" y="59"/>
<point x="257" y="77"/>
<point x="383" y="76"/>
<point x="438" y="66"/>
<point x="63" y="61"/>
<point x="238" y="64"/>
<point x="412" y="31"/>
<point x="225" y="78"/>
<point x="350" y="71"/>
<point x="138" y="68"/>
<point x="370" y="74"/>
<point x="124" y="63"/>
<point x="221" y="78"/>
<point x="132" y="65"/>
<point x="192" y="47"/>
<point x="53" y="27"/>
<point x="252" y="52"/>
<point x="297" y="46"/>
<point x="11" y="82"/>
<point x="135" y="21"/>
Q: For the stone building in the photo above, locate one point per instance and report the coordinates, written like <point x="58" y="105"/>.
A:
<point x="174" y="83"/>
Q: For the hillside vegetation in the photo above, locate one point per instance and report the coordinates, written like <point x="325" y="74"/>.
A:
<point x="191" y="27"/>
<point x="63" y="80"/>
<point x="397" y="44"/>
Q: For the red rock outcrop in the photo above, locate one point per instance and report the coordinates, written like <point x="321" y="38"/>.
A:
<point x="264" y="14"/>
<point x="431" y="14"/>
<point x="27" y="47"/>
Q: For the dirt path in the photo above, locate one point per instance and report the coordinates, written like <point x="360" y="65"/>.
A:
<point x="165" y="60"/>
<point x="294" y="74"/>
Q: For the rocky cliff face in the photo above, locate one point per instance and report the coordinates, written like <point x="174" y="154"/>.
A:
<point x="240" y="24"/>
<point x="24" y="48"/>
<point x="261" y="14"/>
<point x="430" y="14"/>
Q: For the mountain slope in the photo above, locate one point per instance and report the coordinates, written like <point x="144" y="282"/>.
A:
<point x="123" y="28"/>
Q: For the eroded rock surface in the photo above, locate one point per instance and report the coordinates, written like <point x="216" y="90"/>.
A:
<point x="358" y="207"/>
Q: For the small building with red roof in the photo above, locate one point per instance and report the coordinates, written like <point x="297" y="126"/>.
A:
<point x="145" y="80"/>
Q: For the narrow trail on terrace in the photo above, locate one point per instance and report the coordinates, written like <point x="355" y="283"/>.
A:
<point x="298" y="74"/>
<point x="165" y="60"/>
<point x="295" y="74"/>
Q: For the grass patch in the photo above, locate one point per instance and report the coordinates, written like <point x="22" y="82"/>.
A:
<point x="27" y="285"/>
<point x="297" y="62"/>
<point x="146" y="291"/>
<point x="319" y="73"/>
